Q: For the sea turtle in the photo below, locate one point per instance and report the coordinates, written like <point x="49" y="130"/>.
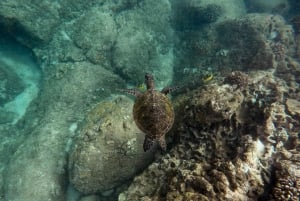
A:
<point x="152" y="112"/>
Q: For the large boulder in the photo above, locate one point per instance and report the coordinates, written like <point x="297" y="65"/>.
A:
<point x="108" y="151"/>
<point x="95" y="32"/>
<point x="144" y="43"/>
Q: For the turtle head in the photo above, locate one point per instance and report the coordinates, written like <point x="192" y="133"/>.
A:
<point x="149" y="81"/>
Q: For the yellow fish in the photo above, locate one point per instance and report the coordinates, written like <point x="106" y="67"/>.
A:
<point x="141" y="87"/>
<point x="207" y="77"/>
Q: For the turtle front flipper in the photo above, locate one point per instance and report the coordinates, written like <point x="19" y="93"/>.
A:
<point x="133" y="92"/>
<point x="168" y="90"/>
<point x="148" y="143"/>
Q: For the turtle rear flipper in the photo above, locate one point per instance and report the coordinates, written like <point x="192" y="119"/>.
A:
<point x="148" y="143"/>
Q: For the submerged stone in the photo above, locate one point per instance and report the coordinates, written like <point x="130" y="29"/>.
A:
<point x="108" y="151"/>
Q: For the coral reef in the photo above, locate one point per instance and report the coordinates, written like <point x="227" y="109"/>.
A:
<point x="108" y="151"/>
<point x="209" y="109"/>
<point x="237" y="78"/>
<point x="286" y="184"/>
<point x="231" y="157"/>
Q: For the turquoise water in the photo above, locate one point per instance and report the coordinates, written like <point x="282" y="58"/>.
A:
<point x="67" y="128"/>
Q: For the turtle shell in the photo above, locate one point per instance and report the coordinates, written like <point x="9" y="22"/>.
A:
<point x="153" y="113"/>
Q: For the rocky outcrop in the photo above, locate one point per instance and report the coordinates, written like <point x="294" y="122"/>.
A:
<point x="230" y="157"/>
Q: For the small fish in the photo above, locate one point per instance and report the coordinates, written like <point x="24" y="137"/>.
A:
<point x="207" y="77"/>
<point x="142" y="87"/>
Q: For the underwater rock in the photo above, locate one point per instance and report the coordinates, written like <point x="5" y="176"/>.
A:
<point x="109" y="149"/>
<point x="268" y="6"/>
<point x="30" y="23"/>
<point x="95" y="32"/>
<point x="89" y="198"/>
<point x="193" y="15"/>
<point x="38" y="166"/>
<point x="144" y="43"/>
<point x="101" y="82"/>
<point x="256" y="41"/>
<point x="231" y="9"/>
<point x="215" y="105"/>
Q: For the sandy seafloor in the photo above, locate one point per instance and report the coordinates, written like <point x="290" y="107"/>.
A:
<point x="67" y="131"/>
